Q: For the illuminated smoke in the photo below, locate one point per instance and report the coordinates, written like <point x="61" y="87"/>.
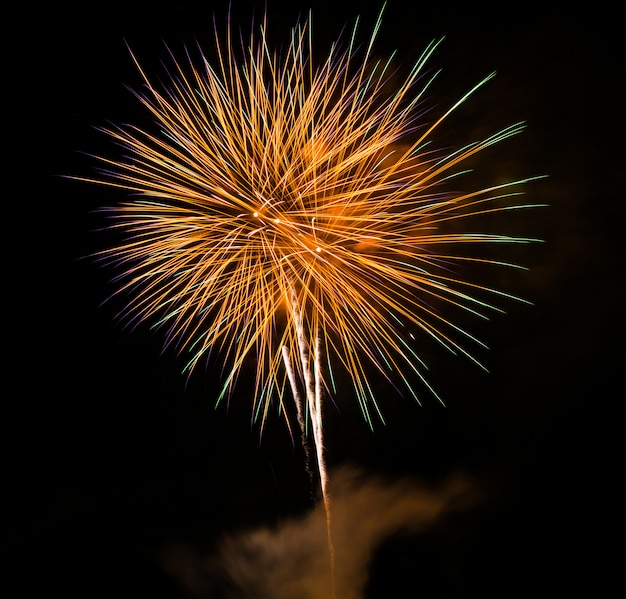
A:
<point x="290" y="559"/>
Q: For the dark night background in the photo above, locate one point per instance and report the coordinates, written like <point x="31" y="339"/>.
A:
<point x="108" y="456"/>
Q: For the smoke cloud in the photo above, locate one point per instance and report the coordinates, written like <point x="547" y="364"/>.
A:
<point x="291" y="560"/>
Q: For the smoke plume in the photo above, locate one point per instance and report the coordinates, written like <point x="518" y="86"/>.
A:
<point x="291" y="559"/>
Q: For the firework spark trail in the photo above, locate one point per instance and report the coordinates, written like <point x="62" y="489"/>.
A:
<point x="288" y="208"/>
<point x="301" y="416"/>
<point x="313" y="391"/>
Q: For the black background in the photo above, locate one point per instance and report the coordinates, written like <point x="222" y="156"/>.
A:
<point x="109" y="454"/>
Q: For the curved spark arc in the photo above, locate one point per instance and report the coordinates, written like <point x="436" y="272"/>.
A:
<point x="296" y="212"/>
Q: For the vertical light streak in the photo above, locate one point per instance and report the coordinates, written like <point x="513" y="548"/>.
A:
<point x="300" y="412"/>
<point x="311" y="374"/>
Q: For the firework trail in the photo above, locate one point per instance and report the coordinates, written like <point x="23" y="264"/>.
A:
<point x="295" y="211"/>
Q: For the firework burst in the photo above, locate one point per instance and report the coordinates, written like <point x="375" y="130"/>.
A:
<point x="295" y="211"/>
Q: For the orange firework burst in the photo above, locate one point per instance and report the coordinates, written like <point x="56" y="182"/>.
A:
<point x="295" y="211"/>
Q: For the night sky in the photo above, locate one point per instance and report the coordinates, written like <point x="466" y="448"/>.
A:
<point x="116" y="469"/>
